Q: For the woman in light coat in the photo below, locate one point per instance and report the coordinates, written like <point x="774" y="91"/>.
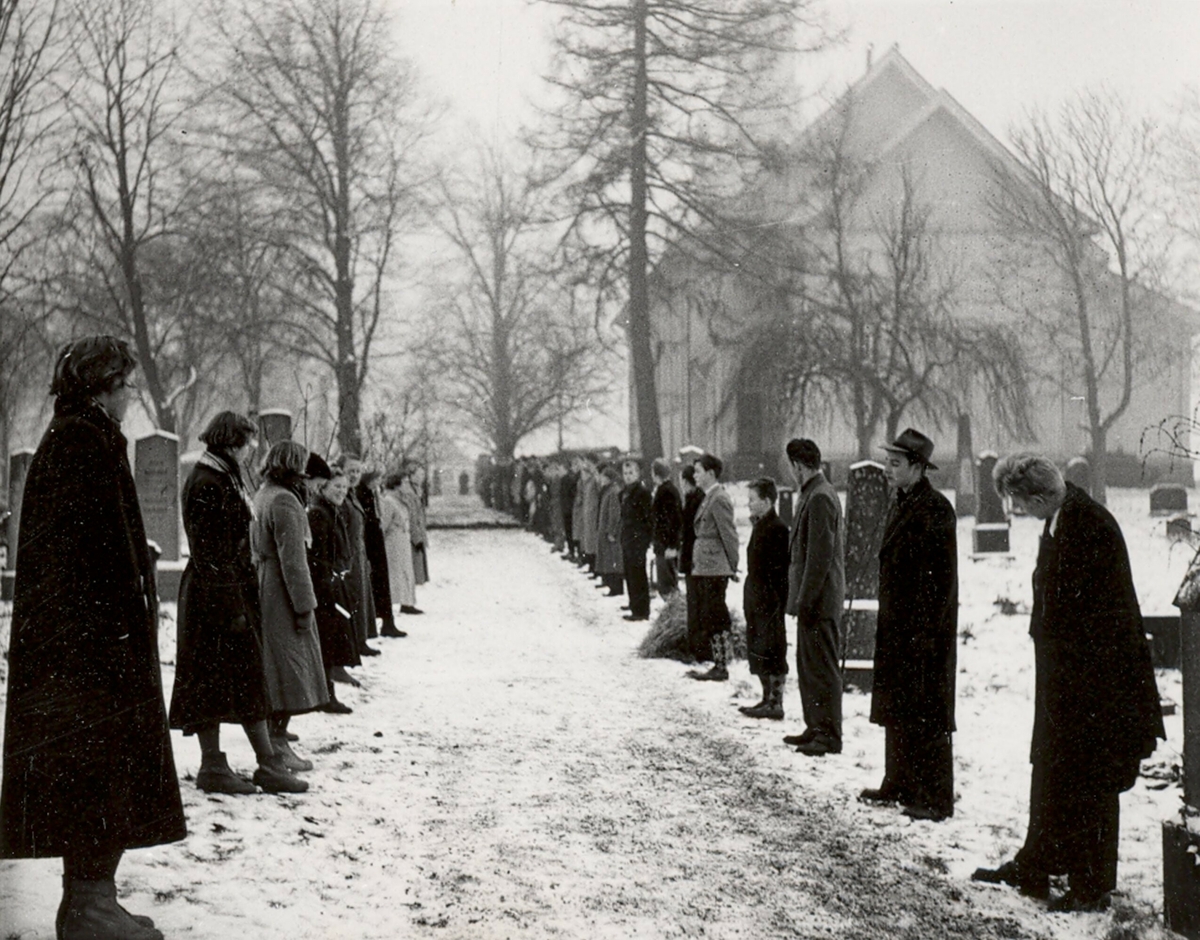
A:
<point x="396" y="522"/>
<point x="279" y="538"/>
<point x="410" y="492"/>
<point x="609" y="561"/>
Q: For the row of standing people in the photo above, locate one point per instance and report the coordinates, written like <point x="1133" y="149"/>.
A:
<point x="88" y="765"/>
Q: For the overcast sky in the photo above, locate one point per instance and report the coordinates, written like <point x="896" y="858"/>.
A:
<point x="997" y="57"/>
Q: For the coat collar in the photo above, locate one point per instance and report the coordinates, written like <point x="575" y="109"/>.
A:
<point x="902" y="507"/>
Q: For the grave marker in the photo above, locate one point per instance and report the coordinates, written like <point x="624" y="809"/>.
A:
<point x="18" y="470"/>
<point x="989" y="537"/>
<point x="156" y="474"/>
<point x="1167" y="499"/>
<point x="1079" y="472"/>
<point x="965" y="486"/>
<point x="867" y="502"/>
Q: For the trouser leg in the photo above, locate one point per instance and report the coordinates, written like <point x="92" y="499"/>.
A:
<point x="639" y="586"/>
<point x="923" y="768"/>
<point x="820" y="677"/>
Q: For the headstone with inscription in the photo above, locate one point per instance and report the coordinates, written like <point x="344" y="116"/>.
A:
<point x="1168" y="498"/>
<point x="965" y="485"/>
<point x="867" y="500"/>
<point x="990" y="534"/>
<point x="156" y="473"/>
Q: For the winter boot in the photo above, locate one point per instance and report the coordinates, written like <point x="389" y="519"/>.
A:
<point x="274" y="776"/>
<point x="718" y="672"/>
<point x="773" y="707"/>
<point x="216" y="777"/>
<point x="766" y="693"/>
<point x="140" y="919"/>
<point x="91" y="912"/>
<point x="290" y="759"/>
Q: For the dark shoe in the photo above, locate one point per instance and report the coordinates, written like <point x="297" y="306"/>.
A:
<point x="289" y="757"/>
<point x="1075" y="902"/>
<point x="393" y="633"/>
<point x="718" y="673"/>
<point x="216" y="777"/>
<point x="765" y="710"/>
<point x="336" y="707"/>
<point x="613" y="594"/>
<point x="339" y="674"/>
<point x="290" y="736"/>
<point x="794" y="740"/>
<point x="625" y="607"/>
<point x="91" y="912"/>
<point x="880" y="795"/>
<point x="274" y="777"/>
<point x="140" y="919"/>
<point x="632" y="617"/>
<point x="409" y="609"/>
<point x="365" y="650"/>
<point x="1010" y="874"/>
<point x="818" y="747"/>
<point x="918" y="811"/>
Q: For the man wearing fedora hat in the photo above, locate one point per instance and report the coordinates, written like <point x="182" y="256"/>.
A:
<point x="916" y="636"/>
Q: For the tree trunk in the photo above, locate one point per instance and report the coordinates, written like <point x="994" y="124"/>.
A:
<point x="347" y="371"/>
<point x="1099" y="459"/>
<point x="639" y="335"/>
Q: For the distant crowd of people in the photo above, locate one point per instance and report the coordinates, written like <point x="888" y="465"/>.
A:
<point x="1097" y="713"/>
<point x="288" y="582"/>
<point x="285" y="584"/>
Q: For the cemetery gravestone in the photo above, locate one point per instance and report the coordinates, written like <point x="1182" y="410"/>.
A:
<point x="990" y="534"/>
<point x="1079" y="472"/>
<point x="867" y="501"/>
<point x="464" y="484"/>
<point x="437" y="481"/>
<point x="156" y="473"/>
<point x="1167" y="498"/>
<point x="274" y="426"/>
<point x="965" y="486"/>
<point x="787" y="497"/>
<point x="18" y="470"/>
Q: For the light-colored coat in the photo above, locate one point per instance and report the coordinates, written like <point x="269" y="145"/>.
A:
<point x="589" y="516"/>
<point x="608" y="539"/>
<point x="397" y="539"/>
<point x="715" y="553"/>
<point x="279" y="537"/>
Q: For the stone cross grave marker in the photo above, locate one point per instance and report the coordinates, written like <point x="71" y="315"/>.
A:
<point x="156" y="473"/>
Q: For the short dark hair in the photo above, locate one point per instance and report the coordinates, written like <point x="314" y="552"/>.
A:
<point x="626" y="461"/>
<point x="712" y="463"/>
<point x="91" y="366"/>
<point x="609" y="470"/>
<point x="689" y="473"/>
<point x="764" y="488"/>
<point x="228" y="431"/>
<point x="393" y="480"/>
<point x="285" y="461"/>
<point x="804" y="452"/>
<point x="661" y="469"/>
<point x="316" y="468"/>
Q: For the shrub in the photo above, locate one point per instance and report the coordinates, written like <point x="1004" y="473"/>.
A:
<point x="667" y="636"/>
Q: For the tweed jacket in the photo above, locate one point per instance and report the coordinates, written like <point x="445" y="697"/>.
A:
<point x="715" y="553"/>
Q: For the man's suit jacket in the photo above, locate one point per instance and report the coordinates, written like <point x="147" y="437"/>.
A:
<point x="715" y="553"/>
<point x="1096" y="707"/>
<point x="817" y="574"/>
<point x="667" y="514"/>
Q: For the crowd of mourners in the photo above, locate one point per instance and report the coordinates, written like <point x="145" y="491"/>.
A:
<point x="289" y="580"/>
<point x="294" y="567"/>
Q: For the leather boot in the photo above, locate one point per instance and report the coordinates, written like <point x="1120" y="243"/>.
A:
<point x="773" y="707"/>
<point x="293" y="762"/>
<point x="718" y="672"/>
<point x="766" y="693"/>
<point x="91" y="912"/>
<point x="274" y="776"/>
<point x="140" y="919"/>
<point x="215" y="776"/>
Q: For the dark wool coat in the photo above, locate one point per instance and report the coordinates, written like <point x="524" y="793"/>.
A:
<point x="329" y="564"/>
<point x="667" y="516"/>
<point x="817" y="576"/>
<point x="687" y="536"/>
<point x="358" y="584"/>
<point x="916" y="636"/>
<point x="764" y="597"/>
<point x="376" y="550"/>
<point x="609" y="559"/>
<point x="218" y="663"/>
<point x="87" y="754"/>
<point x="1096" y="707"/>
<point x="635" y="520"/>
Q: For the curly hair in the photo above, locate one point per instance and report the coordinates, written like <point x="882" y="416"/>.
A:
<point x="91" y="366"/>
<point x="1027" y="475"/>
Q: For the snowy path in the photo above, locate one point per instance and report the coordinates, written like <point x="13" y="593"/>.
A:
<point x="511" y="770"/>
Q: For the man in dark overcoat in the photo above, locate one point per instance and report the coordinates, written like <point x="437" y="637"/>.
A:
<point x="1096" y="706"/>
<point x="816" y="596"/>
<point x="916" y="636"/>
<point x="693" y="496"/>
<point x="667" y="514"/>
<point x="765" y="598"/>
<point x="88" y="769"/>
<point x="635" y="539"/>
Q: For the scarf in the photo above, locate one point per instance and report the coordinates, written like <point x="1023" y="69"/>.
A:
<point x="222" y="462"/>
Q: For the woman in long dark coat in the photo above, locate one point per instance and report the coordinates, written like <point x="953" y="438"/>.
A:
<point x="219" y="665"/>
<point x="609" y="562"/>
<point x="369" y="498"/>
<point x="329" y="564"/>
<point x="88" y="770"/>
<point x="358" y="584"/>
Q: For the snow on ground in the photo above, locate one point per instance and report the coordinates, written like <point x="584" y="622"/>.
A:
<point x="512" y="770"/>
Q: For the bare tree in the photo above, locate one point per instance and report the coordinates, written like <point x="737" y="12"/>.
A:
<point x="28" y="56"/>
<point x="327" y="118"/>
<point x="666" y="103"/>
<point x="1083" y="255"/>
<point x="129" y="265"/>
<point x="518" y="349"/>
